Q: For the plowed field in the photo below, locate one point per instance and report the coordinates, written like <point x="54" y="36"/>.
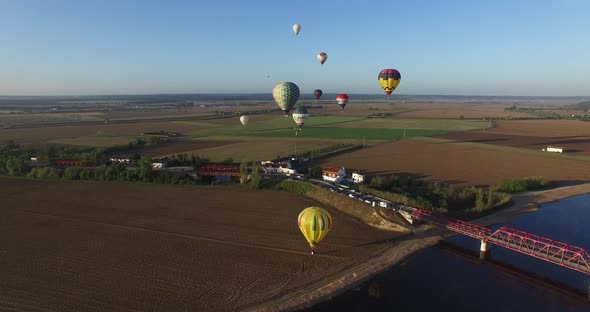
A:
<point x="129" y="247"/>
<point x="573" y="135"/>
<point x="461" y="163"/>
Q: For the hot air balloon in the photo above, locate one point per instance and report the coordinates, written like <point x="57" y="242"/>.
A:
<point x="244" y="119"/>
<point x="296" y="29"/>
<point x="342" y="100"/>
<point x="300" y="115"/>
<point x="286" y="95"/>
<point x="322" y="57"/>
<point x="314" y="223"/>
<point x="388" y="80"/>
<point x="317" y="93"/>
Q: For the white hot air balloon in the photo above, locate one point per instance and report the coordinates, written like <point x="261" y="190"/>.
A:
<point x="300" y="115"/>
<point x="244" y="120"/>
<point x="296" y="29"/>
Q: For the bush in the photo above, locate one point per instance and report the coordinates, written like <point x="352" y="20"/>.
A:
<point x="521" y="185"/>
<point x="293" y="187"/>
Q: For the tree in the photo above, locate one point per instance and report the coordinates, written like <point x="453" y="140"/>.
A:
<point x="243" y="172"/>
<point x="145" y="168"/>
<point x="479" y="202"/>
<point x="490" y="197"/>
<point x="315" y="172"/>
<point x="15" y="167"/>
<point x="72" y="173"/>
<point x="255" y="180"/>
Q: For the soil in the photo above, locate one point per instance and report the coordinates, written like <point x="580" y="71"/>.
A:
<point x="131" y="247"/>
<point x="573" y="135"/>
<point x="459" y="164"/>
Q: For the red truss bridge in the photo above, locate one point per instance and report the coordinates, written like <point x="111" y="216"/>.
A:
<point x="214" y="170"/>
<point x="559" y="253"/>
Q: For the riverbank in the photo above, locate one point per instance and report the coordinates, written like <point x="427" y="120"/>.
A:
<point x="531" y="202"/>
<point x="408" y="245"/>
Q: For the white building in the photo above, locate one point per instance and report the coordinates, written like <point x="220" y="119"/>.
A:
<point x="333" y="174"/>
<point x="270" y="168"/>
<point x="358" y="178"/>
<point x="124" y="159"/>
<point x="553" y="149"/>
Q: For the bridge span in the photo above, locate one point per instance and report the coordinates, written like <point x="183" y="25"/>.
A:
<point x="563" y="254"/>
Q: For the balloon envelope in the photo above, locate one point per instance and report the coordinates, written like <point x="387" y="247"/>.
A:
<point x="342" y="100"/>
<point x="244" y="120"/>
<point x="317" y="93"/>
<point x="322" y="57"/>
<point x="286" y="95"/>
<point x="296" y="28"/>
<point x="300" y="115"/>
<point x="389" y="79"/>
<point x="314" y="223"/>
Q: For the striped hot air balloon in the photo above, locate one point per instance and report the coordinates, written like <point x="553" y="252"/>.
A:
<point x="388" y="80"/>
<point x="342" y="100"/>
<point x="314" y="223"/>
<point x="286" y="95"/>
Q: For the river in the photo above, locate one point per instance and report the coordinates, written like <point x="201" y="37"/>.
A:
<point x="442" y="279"/>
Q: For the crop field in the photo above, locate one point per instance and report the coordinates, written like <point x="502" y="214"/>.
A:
<point x="99" y="139"/>
<point x="341" y="127"/>
<point x="68" y="247"/>
<point x="573" y="135"/>
<point x="49" y="117"/>
<point x="258" y="149"/>
<point x="415" y="124"/>
<point x="43" y="135"/>
<point x="462" y="163"/>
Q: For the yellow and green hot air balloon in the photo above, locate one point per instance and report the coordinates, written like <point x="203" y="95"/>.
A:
<point x="388" y="80"/>
<point x="286" y="95"/>
<point x="314" y="223"/>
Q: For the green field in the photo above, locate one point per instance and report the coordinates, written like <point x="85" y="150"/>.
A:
<point x="418" y="124"/>
<point x="336" y="127"/>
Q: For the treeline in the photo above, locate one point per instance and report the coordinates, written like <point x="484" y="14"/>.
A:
<point x="439" y="197"/>
<point x="15" y="161"/>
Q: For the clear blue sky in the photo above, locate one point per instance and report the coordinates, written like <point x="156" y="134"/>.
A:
<point x="512" y="47"/>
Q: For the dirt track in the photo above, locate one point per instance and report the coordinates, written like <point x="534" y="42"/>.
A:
<point x="128" y="247"/>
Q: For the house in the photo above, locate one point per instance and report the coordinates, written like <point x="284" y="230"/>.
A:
<point x="554" y="149"/>
<point x="333" y="174"/>
<point x="161" y="163"/>
<point x="357" y="178"/>
<point x="279" y="166"/>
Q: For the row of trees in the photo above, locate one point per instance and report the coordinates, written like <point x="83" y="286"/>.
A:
<point x="440" y="197"/>
<point x="14" y="159"/>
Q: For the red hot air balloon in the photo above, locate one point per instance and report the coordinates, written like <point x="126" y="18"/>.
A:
<point x="317" y="93"/>
<point x="342" y="100"/>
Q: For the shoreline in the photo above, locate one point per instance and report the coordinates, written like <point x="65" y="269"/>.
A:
<point x="408" y="245"/>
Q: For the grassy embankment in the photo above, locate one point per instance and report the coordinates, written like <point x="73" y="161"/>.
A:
<point x="351" y="207"/>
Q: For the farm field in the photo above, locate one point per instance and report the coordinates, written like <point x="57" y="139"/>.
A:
<point x="39" y="136"/>
<point x="532" y="134"/>
<point x="68" y="247"/>
<point x="462" y="163"/>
